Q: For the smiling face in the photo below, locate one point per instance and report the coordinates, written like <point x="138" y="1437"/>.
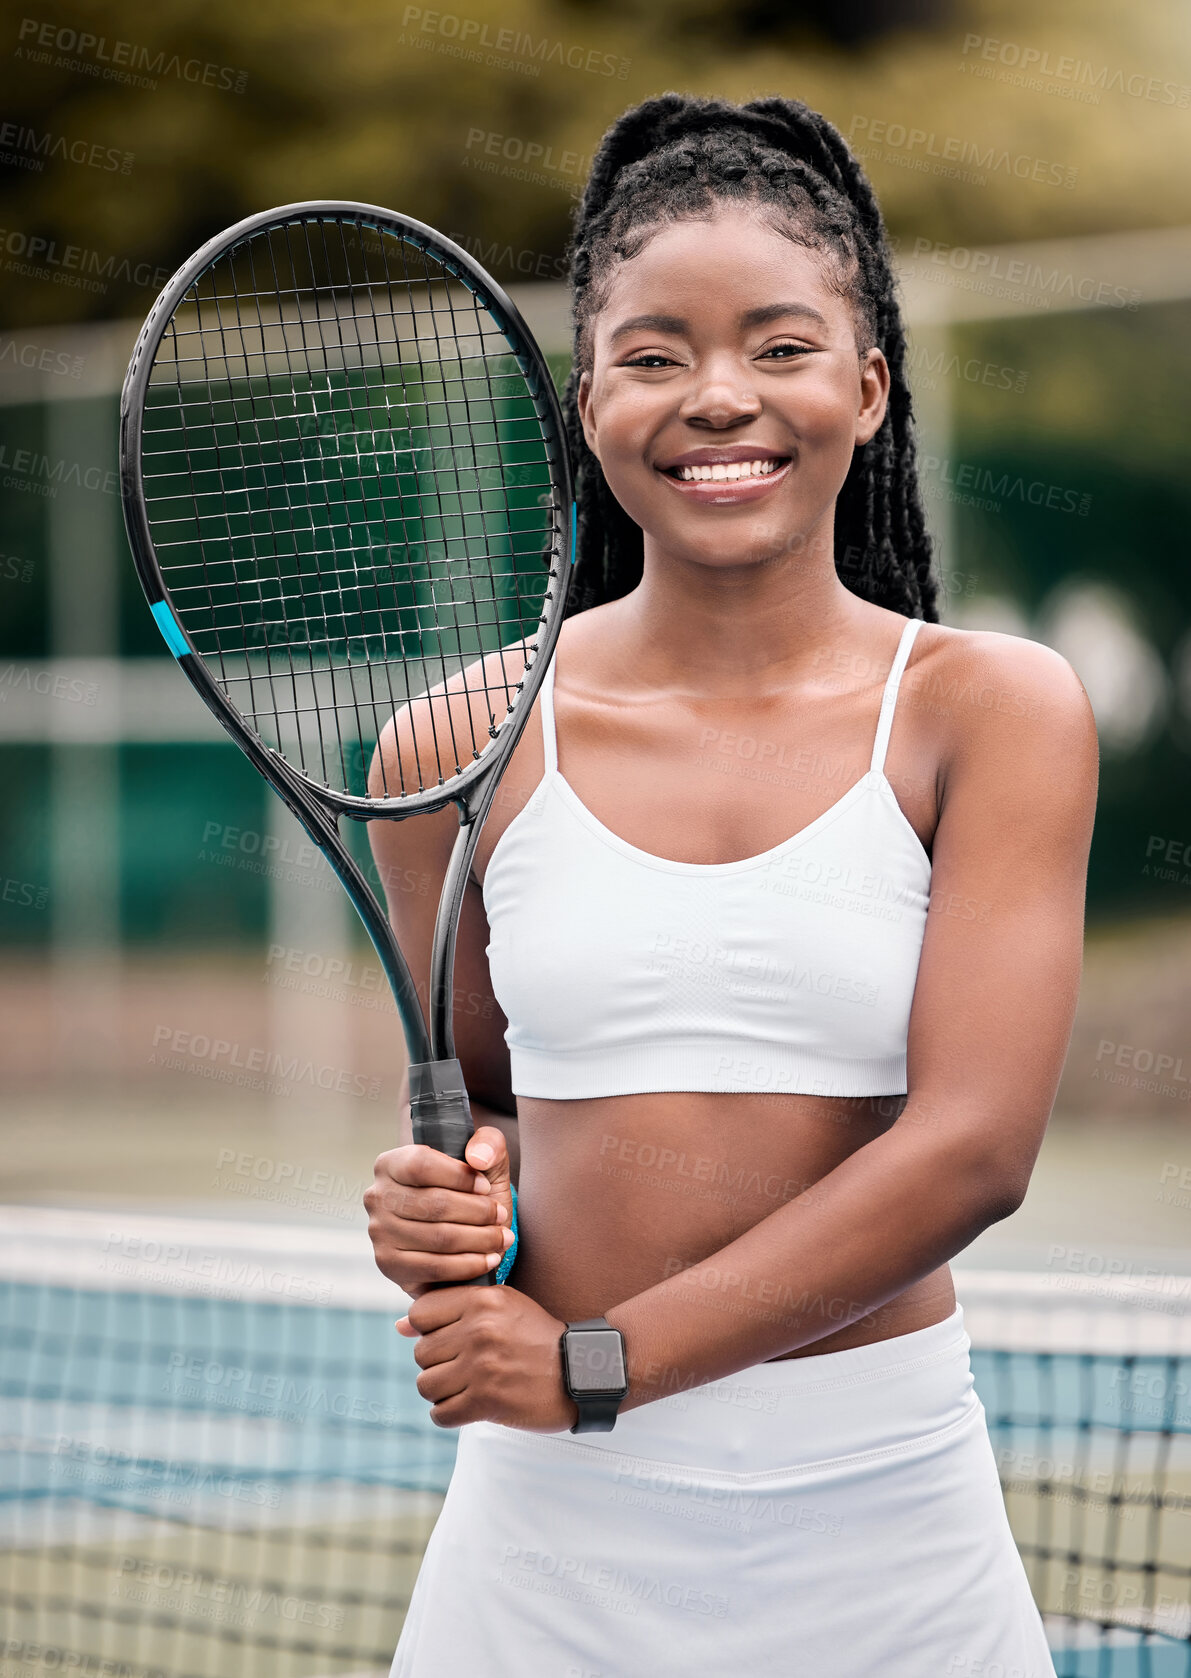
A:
<point x="727" y="392"/>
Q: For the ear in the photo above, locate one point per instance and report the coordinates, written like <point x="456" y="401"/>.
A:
<point x="586" y="417"/>
<point x="874" y="396"/>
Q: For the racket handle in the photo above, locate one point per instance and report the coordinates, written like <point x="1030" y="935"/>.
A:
<point x="439" y="1112"/>
<point x="440" y="1117"/>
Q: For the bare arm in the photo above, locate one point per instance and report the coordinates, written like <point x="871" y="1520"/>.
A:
<point x="433" y="1219"/>
<point x="989" y="1030"/>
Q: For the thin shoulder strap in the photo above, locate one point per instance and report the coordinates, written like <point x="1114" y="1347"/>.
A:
<point x="546" y="712"/>
<point x="889" y="699"/>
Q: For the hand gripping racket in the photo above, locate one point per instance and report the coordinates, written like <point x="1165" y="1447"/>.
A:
<point x="346" y="486"/>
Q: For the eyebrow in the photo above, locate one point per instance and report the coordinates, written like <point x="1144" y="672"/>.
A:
<point x="759" y="316"/>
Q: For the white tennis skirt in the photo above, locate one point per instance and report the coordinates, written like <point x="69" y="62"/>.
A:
<point x="831" y="1516"/>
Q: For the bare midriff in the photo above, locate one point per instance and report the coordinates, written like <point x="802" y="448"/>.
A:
<point x="627" y="1190"/>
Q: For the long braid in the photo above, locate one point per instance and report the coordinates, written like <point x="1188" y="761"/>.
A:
<point x="674" y="155"/>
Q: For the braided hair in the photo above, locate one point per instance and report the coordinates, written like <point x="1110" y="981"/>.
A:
<point x="672" y="158"/>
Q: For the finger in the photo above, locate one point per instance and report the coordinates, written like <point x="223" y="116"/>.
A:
<point x="404" y="1235"/>
<point x="488" y="1151"/>
<point x="430" y="1241"/>
<point x="442" y="1345"/>
<point x="442" y="1306"/>
<point x="437" y="1206"/>
<point x="411" y="1269"/>
<point x="442" y="1382"/>
<point x="419" y="1165"/>
<point x="453" y="1412"/>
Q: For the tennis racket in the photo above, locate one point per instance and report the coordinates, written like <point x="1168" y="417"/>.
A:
<point x="346" y="487"/>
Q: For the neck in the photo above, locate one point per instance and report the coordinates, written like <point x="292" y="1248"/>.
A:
<point x="716" y="627"/>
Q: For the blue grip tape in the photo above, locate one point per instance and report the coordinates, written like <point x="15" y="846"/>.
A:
<point x="506" y="1263"/>
<point x="168" y="625"/>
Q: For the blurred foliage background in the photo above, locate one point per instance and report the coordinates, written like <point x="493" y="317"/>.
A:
<point x="375" y="100"/>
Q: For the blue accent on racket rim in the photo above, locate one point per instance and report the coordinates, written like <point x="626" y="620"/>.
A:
<point x="168" y="625"/>
<point x="574" y="516"/>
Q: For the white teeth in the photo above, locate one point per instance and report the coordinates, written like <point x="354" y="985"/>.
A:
<point x="737" y="469"/>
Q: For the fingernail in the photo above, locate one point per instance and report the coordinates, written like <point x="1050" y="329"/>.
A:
<point x="502" y="1217"/>
<point x="493" y="1260"/>
<point x="481" y="1155"/>
<point x="507" y="1237"/>
<point x="482" y="1184"/>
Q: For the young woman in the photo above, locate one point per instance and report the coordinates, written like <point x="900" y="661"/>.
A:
<point x="765" y="981"/>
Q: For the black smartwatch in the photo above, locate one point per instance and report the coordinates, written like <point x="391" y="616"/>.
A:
<point x="595" y="1373"/>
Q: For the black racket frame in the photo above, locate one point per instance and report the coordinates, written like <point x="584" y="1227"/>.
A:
<point x="440" y="1114"/>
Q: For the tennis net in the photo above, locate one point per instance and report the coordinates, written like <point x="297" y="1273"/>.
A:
<point x="215" y="1462"/>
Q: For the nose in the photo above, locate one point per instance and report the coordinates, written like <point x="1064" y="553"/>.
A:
<point x="720" y="394"/>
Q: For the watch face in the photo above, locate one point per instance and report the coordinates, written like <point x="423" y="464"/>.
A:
<point x="595" y="1361"/>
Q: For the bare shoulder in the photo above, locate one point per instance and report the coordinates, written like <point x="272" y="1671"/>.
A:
<point x="1001" y="697"/>
<point x="448" y="725"/>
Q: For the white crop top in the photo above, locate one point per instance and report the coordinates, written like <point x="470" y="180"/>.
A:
<point x="622" y="972"/>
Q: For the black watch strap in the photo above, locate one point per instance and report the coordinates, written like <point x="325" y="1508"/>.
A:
<point x="597" y="1411"/>
<point x="596" y="1415"/>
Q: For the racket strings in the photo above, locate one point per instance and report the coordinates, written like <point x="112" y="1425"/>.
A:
<point x="349" y="484"/>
